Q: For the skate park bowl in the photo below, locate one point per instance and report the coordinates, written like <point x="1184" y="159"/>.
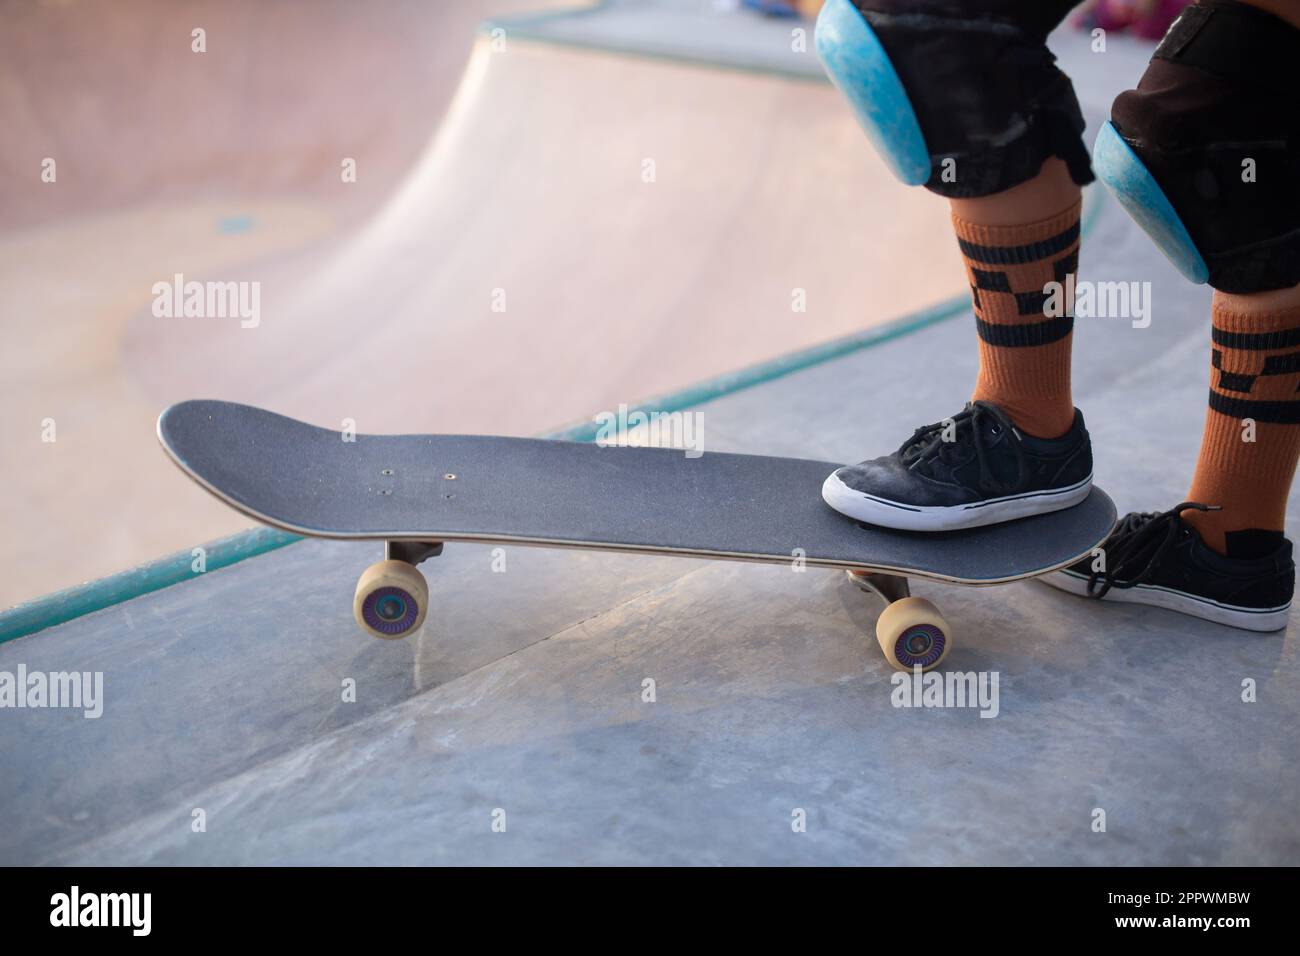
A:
<point x="534" y="229"/>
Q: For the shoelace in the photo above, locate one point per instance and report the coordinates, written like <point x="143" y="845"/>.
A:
<point x="927" y="444"/>
<point x="1140" y="540"/>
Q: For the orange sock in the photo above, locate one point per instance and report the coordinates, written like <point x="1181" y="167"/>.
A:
<point x="1024" y="354"/>
<point x="1252" y="428"/>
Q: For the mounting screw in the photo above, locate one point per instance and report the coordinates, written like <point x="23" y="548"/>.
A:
<point x="387" y="471"/>
<point x="449" y="476"/>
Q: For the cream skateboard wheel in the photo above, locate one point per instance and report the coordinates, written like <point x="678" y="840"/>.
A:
<point x="391" y="599"/>
<point x="912" y="632"/>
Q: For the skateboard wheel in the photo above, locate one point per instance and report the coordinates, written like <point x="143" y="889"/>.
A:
<point x="391" y="599"/>
<point x="912" y="632"/>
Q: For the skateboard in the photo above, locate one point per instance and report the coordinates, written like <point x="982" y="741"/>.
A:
<point x="417" y="492"/>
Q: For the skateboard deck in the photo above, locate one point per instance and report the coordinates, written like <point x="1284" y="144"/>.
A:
<point x="416" y="492"/>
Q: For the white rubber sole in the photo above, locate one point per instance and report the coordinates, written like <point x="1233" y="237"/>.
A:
<point x="904" y="517"/>
<point x="1247" y="619"/>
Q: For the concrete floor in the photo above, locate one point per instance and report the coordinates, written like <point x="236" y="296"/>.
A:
<point x="522" y="698"/>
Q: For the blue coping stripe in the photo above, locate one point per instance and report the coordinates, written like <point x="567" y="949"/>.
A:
<point x="63" y="606"/>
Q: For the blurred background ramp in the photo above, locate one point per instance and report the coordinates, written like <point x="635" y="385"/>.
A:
<point x="643" y="223"/>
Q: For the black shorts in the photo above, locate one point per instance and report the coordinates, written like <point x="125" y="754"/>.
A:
<point x="991" y="103"/>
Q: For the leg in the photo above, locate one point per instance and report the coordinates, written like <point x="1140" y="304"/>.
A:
<point x="1251" y="439"/>
<point x="1203" y="153"/>
<point x="1015" y="243"/>
<point x="1251" y="481"/>
<point x="964" y="97"/>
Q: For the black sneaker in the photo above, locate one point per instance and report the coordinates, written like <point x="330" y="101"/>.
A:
<point x="987" y="472"/>
<point x="1158" y="559"/>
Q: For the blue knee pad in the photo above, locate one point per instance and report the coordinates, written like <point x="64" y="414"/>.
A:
<point x="1133" y="185"/>
<point x="859" y="67"/>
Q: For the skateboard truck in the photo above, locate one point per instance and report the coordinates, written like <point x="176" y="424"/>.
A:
<point x="412" y="552"/>
<point x="392" y="595"/>
<point x="888" y="587"/>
